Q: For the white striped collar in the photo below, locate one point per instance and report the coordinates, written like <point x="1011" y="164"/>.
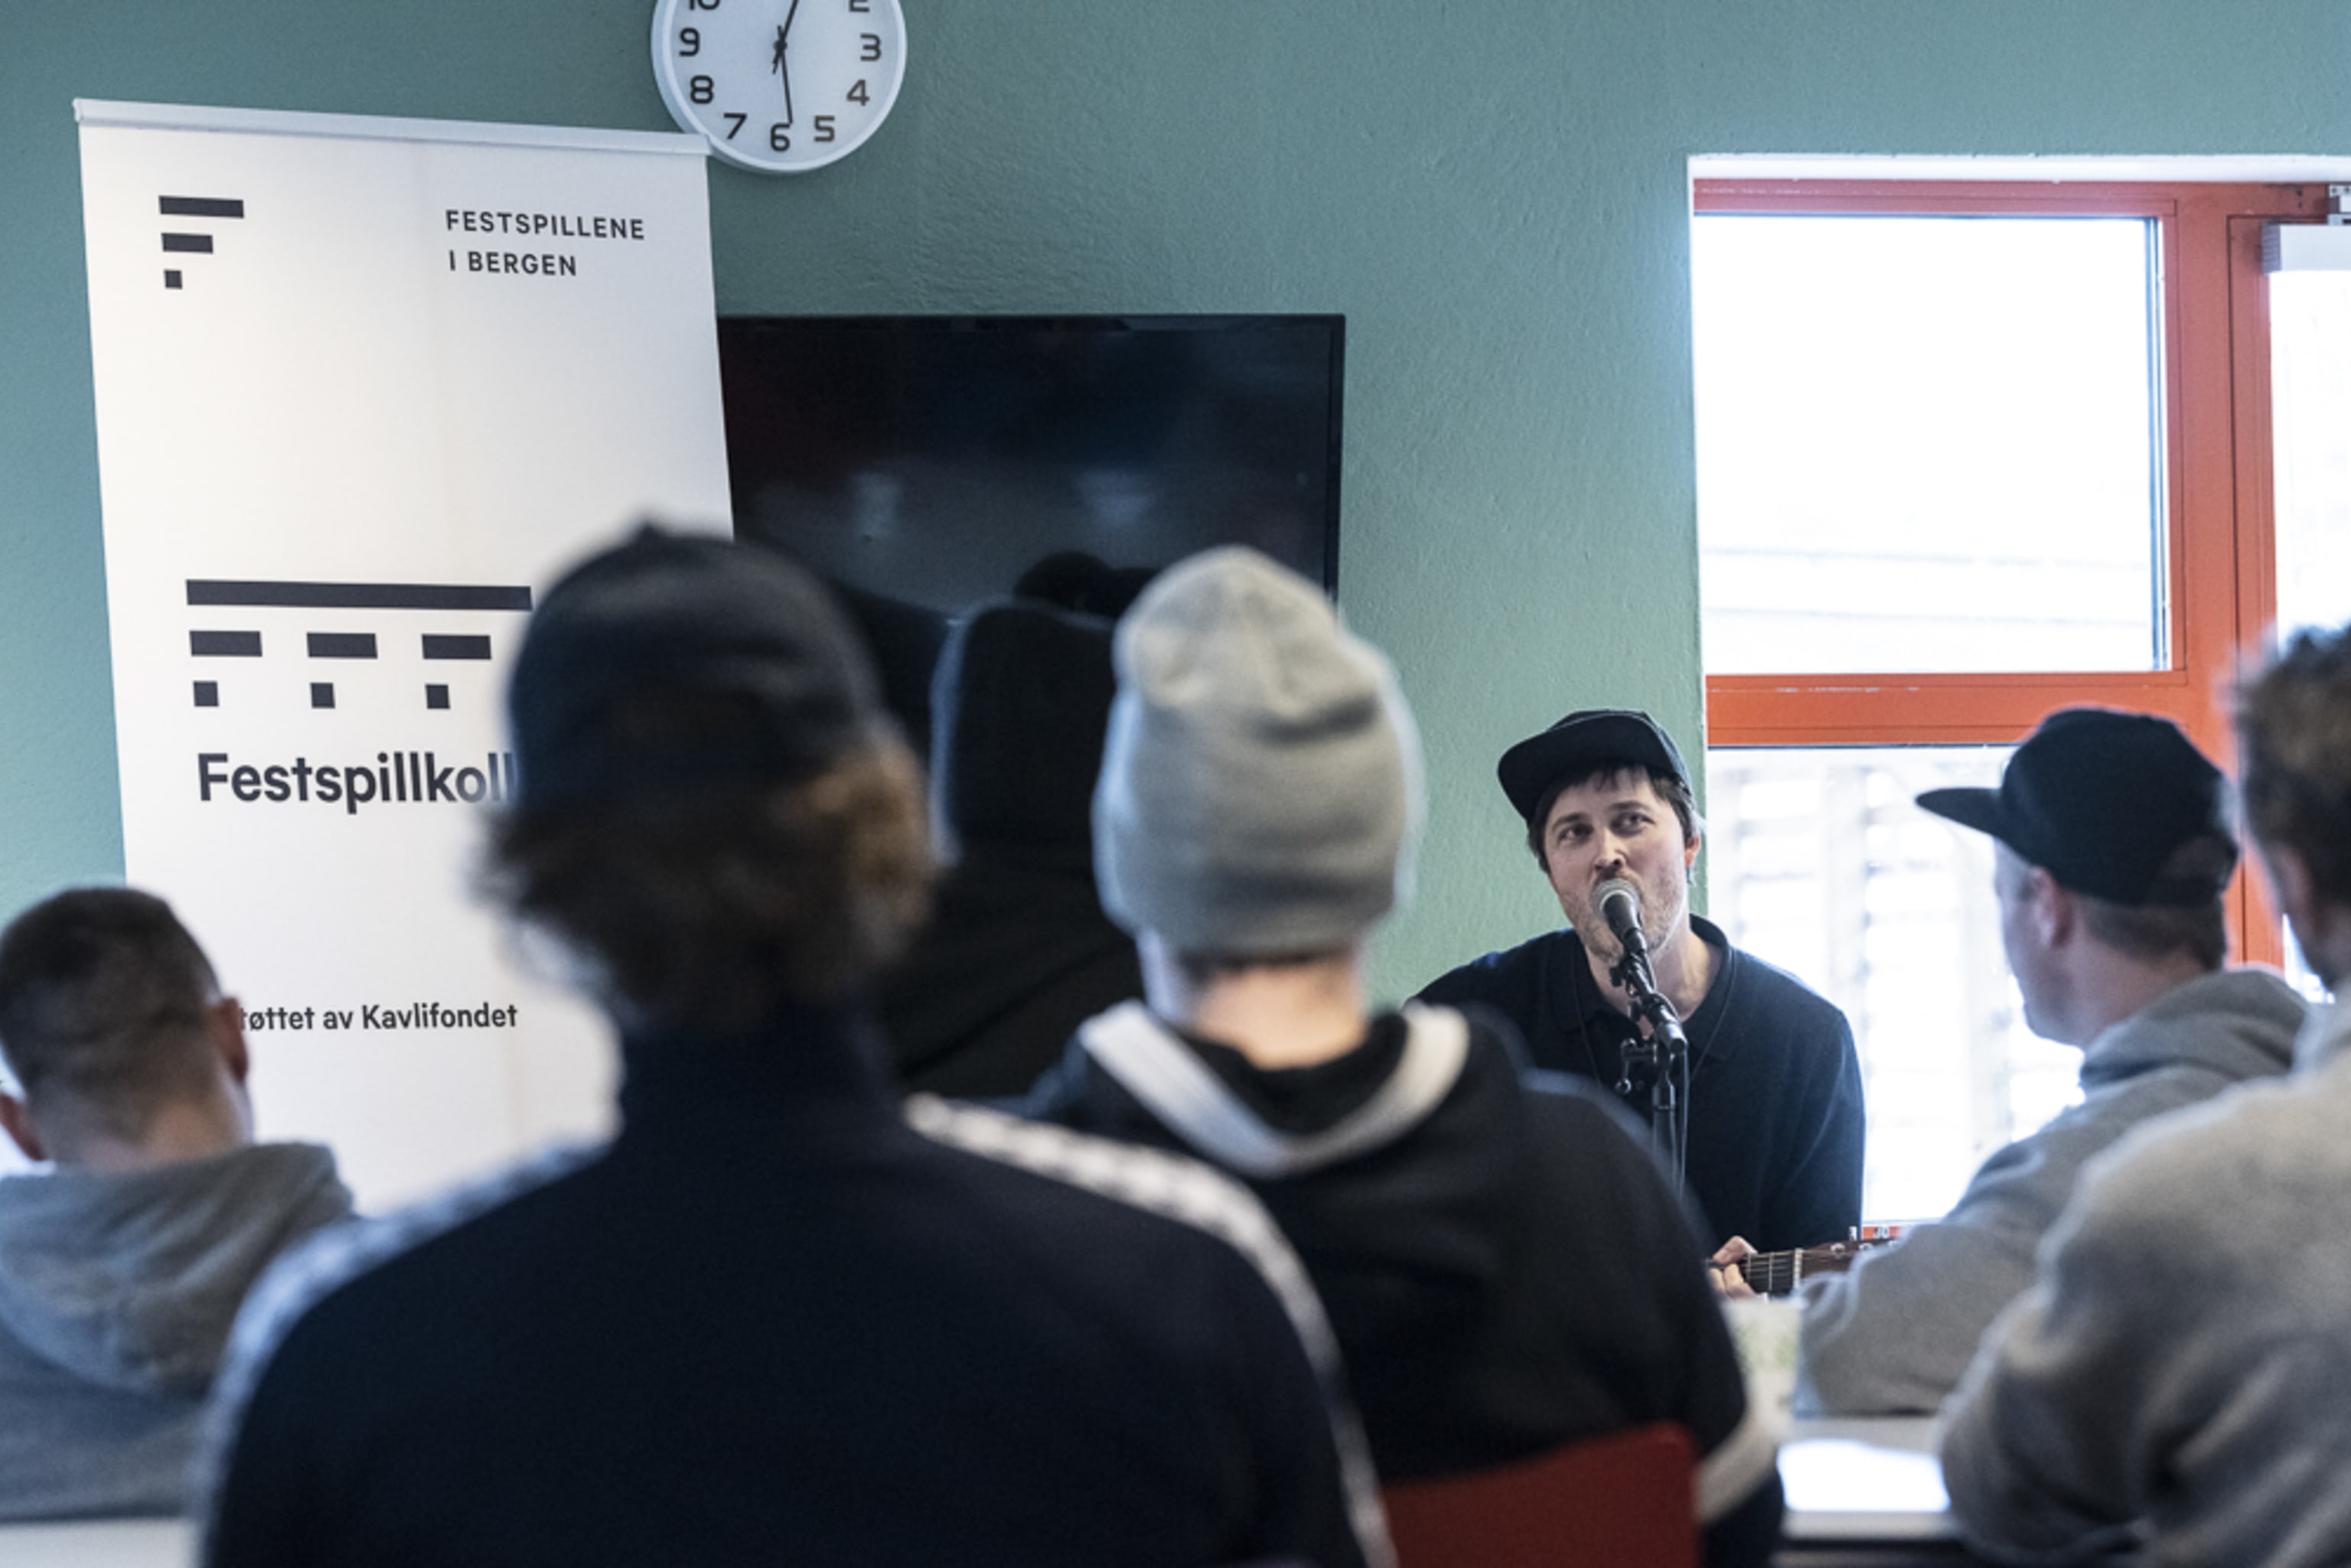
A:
<point x="1153" y="1064"/>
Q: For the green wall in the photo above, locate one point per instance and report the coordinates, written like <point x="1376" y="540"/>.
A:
<point x="1494" y="194"/>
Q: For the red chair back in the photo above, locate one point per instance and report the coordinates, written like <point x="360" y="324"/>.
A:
<point x="1619" y="1502"/>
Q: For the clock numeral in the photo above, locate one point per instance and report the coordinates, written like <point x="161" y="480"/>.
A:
<point x="738" y="119"/>
<point x="872" y="42"/>
<point x="824" y="128"/>
<point x="702" y="5"/>
<point x="858" y="94"/>
<point x="778" y="141"/>
<point x="701" y="89"/>
<point x="689" y="42"/>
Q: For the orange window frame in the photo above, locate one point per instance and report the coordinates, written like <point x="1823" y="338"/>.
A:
<point x="2221" y="582"/>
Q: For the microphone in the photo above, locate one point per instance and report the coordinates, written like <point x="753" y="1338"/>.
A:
<point x="1619" y="903"/>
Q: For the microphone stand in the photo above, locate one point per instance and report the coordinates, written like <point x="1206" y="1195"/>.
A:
<point x="1665" y="1053"/>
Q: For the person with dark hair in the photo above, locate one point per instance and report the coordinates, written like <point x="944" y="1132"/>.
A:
<point x="2176" y="1381"/>
<point x="122" y="1270"/>
<point x="779" y="1316"/>
<point x="1018" y="952"/>
<point x="1506" y="1269"/>
<point x="1775" y="1120"/>
<point x="1082" y="582"/>
<point x="2114" y="855"/>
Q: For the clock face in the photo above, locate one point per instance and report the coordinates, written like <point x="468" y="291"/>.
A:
<point x="779" y="85"/>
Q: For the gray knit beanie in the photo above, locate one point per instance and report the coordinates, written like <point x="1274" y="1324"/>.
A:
<point x="1260" y="790"/>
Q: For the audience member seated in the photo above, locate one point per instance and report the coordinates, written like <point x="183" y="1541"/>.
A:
<point x="2114" y="855"/>
<point x="2179" y="1376"/>
<point x="1084" y="584"/>
<point x="778" y="1317"/>
<point x="1018" y="952"/>
<point x="1504" y="1263"/>
<point x="122" y="1271"/>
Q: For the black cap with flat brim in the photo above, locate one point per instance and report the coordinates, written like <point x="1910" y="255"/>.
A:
<point x="2102" y="801"/>
<point x="1581" y="744"/>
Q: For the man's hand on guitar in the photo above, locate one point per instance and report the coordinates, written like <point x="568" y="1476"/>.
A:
<point x="1738" y="1270"/>
<point x="1723" y="1267"/>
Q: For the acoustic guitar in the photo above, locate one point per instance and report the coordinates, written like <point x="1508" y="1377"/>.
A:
<point x="1779" y="1273"/>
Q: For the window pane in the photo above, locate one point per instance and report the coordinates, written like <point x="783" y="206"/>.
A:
<point x="1820" y="862"/>
<point x="1926" y="444"/>
<point x="2310" y="375"/>
<point x="2310" y="426"/>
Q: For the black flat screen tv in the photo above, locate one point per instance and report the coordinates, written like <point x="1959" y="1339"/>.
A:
<point x="924" y="465"/>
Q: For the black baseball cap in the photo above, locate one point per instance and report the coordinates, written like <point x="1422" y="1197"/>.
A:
<point x="1585" y="740"/>
<point x="2100" y="800"/>
<point x="681" y="664"/>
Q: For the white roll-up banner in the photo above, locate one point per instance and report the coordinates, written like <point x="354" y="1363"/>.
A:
<point x="364" y="386"/>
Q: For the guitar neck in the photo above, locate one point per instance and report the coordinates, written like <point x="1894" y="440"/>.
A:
<point x="1779" y="1273"/>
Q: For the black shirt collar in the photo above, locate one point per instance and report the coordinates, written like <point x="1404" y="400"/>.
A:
<point x="1605" y="1027"/>
<point x="804" y="1059"/>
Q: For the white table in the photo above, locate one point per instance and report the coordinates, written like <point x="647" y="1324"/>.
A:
<point x="101" y="1543"/>
<point x="1863" y="1479"/>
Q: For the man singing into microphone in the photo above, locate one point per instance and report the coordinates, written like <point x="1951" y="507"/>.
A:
<point x="1775" y="1120"/>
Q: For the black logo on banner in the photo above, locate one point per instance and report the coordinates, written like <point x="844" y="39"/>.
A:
<point x="183" y="241"/>
<point x="394" y="778"/>
<point x="401" y="601"/>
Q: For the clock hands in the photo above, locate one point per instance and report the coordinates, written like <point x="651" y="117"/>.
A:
<point x="778" y="61"/>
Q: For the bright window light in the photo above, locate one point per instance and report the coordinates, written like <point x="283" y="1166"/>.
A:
<point x="2310" y="427"/>
<point x="1821" y="861"/>
<point x="1928" y="443"/>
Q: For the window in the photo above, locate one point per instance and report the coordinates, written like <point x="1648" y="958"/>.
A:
<point x="1852" y="372"/>
<point x="2310" y="359"/>
<point x="1968" y="454"/>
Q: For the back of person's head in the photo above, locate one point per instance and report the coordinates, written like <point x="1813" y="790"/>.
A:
<point x="2121" y="810"/>
<point x="104" y="1005"/>
<point x="2293" y="730"/>
<point x="1086" y="584"/>
<point x="1261" y="792"/>
<point x="713" y="812"/>
<point x="1018" y="709"/>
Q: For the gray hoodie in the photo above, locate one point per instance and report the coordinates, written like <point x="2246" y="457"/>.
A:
<point x="2176" y="1378"/>
<point x="1895" y="1334"/>
<point x="117" y="1292"/>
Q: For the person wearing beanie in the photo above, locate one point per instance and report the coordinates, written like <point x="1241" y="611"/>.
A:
<point x="2114" y="853"/>
<point x="1503" y="1264"/>
<point x="1018" y="952"/>
<point x="781" y="1317"/>
<point x="1776" y="1124"/>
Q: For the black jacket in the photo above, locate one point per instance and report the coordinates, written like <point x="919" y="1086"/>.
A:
<point x="1017" y="954"/>
<point x="773" y="1322"/>
<point x="1776" y="1122"/>
<point x="1506" y="1272"/>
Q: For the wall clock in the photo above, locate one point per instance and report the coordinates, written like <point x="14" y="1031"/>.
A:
<point x="781" y="86"/>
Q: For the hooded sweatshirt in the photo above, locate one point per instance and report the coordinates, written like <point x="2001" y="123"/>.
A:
<point x="1895" y="1333"/>
<point x="117" y="1292"/>
<point x="1503" y="1264"/>
<point x="2175" y="1378"/>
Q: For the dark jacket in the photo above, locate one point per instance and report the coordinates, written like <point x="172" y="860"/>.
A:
<point x="1017" y="954"/>
<point x="773" y="1321"/>
<point x="1502" y="1262"/>
<point x="1776" y="1122"/>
